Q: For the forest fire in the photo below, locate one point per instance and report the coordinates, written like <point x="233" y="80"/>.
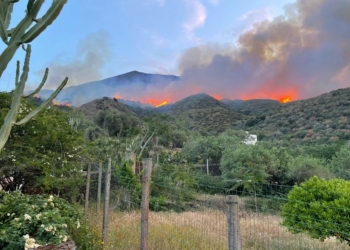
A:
<point x="56" y="103"/>
<point x="162" y="104"/>
<point x="157" y="103"/>
<point x="285" y="100"/>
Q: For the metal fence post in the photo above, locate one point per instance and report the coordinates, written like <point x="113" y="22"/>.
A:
<point x="147" y="167"/>
<point x="233" y="228"/>
<point x="87" y="191"/>
<point x="106" y="208"/>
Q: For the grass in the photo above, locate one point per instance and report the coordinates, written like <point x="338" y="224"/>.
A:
<point x="205" y="229"/>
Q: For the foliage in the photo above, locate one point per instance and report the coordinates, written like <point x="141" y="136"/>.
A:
<point x="130" y="182"/>
<point x="203" y="148"/>
<point x="153" y="125"/>
<point x="340" y="164"/>
<point x="175" y="182"/>
<point x="46" y="154"/>
<point x="41" y="219"/>
<point x="213" y="184"/>
<point x="302" y="167"/>
<point x="117" y="123"/>
<point x="319" y="208"/>
<point x="24" y="32"/>
<point x="247" y="165"/>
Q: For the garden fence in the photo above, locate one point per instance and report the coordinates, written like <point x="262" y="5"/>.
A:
<point x="180" y="218"/>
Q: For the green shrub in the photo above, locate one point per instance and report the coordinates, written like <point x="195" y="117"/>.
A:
<point x="213" y="184"/>
<point x="130" y="184"/>
<point x="30" y="221"/>
<point x="319" y="208"/>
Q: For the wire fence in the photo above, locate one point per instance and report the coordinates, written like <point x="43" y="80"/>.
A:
<point x="183" y="218"/>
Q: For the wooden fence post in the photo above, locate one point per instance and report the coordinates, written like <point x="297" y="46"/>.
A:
<point x="99" y="187"/>
<point x="146" y="176"/>
<point x="87" y="191"/>
<point x="233" y="228"/>
<point x="106" y="208"/>
<point x="131" y="156"/>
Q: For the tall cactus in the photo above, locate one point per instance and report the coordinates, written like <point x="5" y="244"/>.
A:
<point x="24" y="33"/>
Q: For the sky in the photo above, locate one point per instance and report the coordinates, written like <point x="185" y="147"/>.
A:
<point x="227" y="48"/>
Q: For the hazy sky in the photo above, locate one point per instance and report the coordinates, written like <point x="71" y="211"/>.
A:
<point x="92" y="40"/>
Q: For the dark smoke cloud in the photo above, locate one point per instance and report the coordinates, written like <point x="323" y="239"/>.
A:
<point x="302" y="54"/>
<point x="91" y="55"/>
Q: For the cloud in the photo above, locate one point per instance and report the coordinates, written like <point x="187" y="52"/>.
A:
<point x="91" y="55"/>
<point x="302" y="54"/>
<point x="196" y="20"/>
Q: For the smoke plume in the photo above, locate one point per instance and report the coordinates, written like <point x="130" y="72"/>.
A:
<point x="302" y="54"/>
<point x="91" y="56"/>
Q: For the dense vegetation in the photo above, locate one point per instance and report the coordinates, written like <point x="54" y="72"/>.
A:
<point x="47" y="155"/>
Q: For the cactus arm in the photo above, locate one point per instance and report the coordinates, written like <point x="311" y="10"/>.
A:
<point x="43" y="106"/>
<point x="40" y="86"/>
<point x="45" y="21"/>
<point x="30" y="5"/>
<point x="6" y="9"/>
<point x="21" y="28"/>
<point x="7" y="18"/>
<point x="6" y="57"/>
<point x="11" y="116"/>
<point x="17" y="73"/>
<point x="3" y="32"/>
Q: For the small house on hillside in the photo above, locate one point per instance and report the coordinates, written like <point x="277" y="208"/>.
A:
<point x="251" y="139"/>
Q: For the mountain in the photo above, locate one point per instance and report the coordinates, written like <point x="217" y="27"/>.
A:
<point x="204" y="113"/>
<point x="323" y="118"/>
<point x="110" y="87"/>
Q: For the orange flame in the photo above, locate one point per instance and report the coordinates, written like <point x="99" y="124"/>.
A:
<point x="56" y="103"/>
<point x="157" y="103"/>
<point x="162" y="104"/>
<point x="285" y="100"/>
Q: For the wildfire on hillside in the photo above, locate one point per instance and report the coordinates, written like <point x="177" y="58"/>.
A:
<point x="162" y="104"/>
<point x="285" y="100"/>
<point x="157" y="103"/>
<point x="56" y="103"/>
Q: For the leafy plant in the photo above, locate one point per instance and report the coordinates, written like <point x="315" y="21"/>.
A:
<point x="31" y="221"/>
<point x="319" y="208"/>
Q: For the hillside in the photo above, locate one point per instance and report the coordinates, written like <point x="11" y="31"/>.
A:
<point x="323" y="118"/>
<point x="205" y="114"/>
<point x="91" y="109"/>
<point x="253" y="107"/>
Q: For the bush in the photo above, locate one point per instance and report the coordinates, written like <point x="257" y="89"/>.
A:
<point x="301" y="168"/>
<point x="319" y="208"/>
<point x="29" y="221"/>
<point x="213" y="184"/>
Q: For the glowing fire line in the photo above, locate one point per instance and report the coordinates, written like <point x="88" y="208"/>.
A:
<point x="162" y="104"/>
<point x="285" y="100"/>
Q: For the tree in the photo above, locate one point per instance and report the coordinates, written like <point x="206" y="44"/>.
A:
<point x="303" y="167"/>
<point x="154" y="125"/>
<point x="25" y="32"/>
<point x="45" y="155"/>
<point x="319" y="208"/>
<point x="340" y="164"/>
